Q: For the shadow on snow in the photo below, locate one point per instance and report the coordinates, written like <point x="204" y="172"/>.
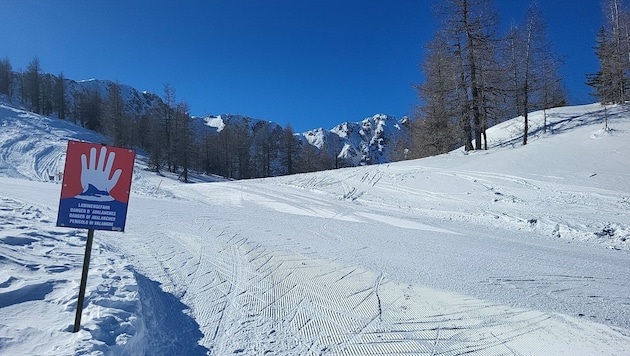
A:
<point x="169" y="330"/>
<point x="564" y="122"/>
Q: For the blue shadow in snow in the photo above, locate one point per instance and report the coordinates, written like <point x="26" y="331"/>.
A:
<point x="169" y="331"/>
<point x="26" y="294"/>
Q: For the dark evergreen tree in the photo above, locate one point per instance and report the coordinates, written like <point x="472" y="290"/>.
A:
<point x="263" y="145"/>
<point x="433" y="129"/>
<point x="241" y="148"/>
<point x="114" y="123"/>
<point x="31" y="86"/>
<point x="611" y="82"/>
<point x="310" y="158"/>
<point x="156" y="138"/>
<point x="168" y="123"/>
<point x="59" y="95"/>
<point x="182" y="140"/>
<point x="6" y="77"/>
<point x="532" y="67"/>
<point x="89" y="110"/>
<point x="289" y="150"/>
<point x="47" y="94"/>
<point x="470" y="27"/>
<point x="225" y="148"/>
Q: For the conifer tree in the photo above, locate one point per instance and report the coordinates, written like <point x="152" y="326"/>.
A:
<point x="432" y="130"/>
<point x="32" y="85"/>
<point x="6" y="77"/>
<point x="90" y="106"/>
<point x="182" y="140"/>
<point x="611" y="82"/>
<point x="168" y="123"/>
<point x="532" y="67"/>
<point x="60" y="96"/>
<point x="114" y="118"/>
<point x="289" y="150"/>
<point x="470" y="28"/>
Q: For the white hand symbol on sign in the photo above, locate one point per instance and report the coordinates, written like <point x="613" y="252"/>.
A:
<point x="97" y="173"/>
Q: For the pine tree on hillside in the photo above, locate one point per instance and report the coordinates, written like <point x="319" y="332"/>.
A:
<point x="289" y="150"/>
<point x="59" y="95"/>
<point x="432" y="130"/>
<point x="532" y="67"/>
<point x="470" y="30"/>
<point x="332" y="147"/>
<point x="31" y="87"/>
<point x="88" y="111"/>
<point x="46" y="96"/>
<point x="182" y="140"/>
<point x="115" y="121"/>
<point x="6" y="77"/>
<point x="155" y="138"/>
<point x="618" y="27"/>
<point x="168" y="123"/>
<point x="240" y="148"/>
<point x="607" y="82"/>
<point x="311" y="160"/>
<point x="264" y="149"/>
<point x="612" y="82"/>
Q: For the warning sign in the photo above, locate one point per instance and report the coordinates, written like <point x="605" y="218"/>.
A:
<point x="96" y="186"/>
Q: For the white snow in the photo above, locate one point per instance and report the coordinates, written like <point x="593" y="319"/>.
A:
<point x="516" y="250"/>
<point x="216" y="122"/>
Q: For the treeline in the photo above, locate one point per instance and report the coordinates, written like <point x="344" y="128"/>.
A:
<point x="247" y="148"/>
<point x="163" y="128"/>
<point x="474" y="77"/>
<point x="612" y="81"/>
<point x="43" y="93"/>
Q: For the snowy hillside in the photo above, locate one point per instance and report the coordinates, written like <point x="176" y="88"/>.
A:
<point x="517" y="250"/>
<point x="137" y="102"/>
<point x="33" y="146"/>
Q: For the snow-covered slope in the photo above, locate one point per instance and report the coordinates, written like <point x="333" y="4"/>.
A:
<point x="515" y="250"/>
<point x="33" y="146"/>
<point x="137" y="102"/>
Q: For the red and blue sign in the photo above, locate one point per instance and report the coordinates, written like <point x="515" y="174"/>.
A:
<point x="96" y="186"/>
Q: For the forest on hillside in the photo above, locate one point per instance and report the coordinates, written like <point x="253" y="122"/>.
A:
<point x="475" y="77"/>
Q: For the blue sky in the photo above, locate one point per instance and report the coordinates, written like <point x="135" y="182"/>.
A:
<point x="308" y="63"/>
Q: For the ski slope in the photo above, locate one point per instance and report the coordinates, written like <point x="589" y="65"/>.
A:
<point x="516" y="250"/>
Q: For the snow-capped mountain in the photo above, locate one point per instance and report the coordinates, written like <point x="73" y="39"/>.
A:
<point x="373" y="140"/>
<point x="370" y="141"/>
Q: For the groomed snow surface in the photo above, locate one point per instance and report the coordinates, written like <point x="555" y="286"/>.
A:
<point x="518" y="250"/>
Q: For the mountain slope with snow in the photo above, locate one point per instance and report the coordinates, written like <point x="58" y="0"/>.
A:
<point x="371" y="141"/>
<point x="33" y="146"/>
<point x="515" y="250"/>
